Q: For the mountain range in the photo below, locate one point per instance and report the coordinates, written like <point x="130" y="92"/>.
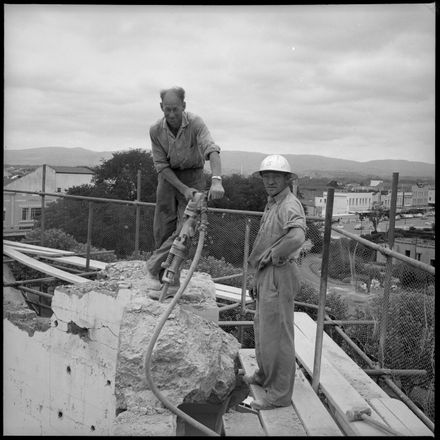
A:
<point x="239" y="162"/>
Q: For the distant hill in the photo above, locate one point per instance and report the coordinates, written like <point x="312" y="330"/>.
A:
<point x="236" y="162"/>
<point x="321" y="166"/>
<point x="55" y="156"/>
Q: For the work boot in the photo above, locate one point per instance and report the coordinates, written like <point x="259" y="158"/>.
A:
<point x="153" y="280"/>
<point x="251" y="379"/>
<point x="171" y="292"/>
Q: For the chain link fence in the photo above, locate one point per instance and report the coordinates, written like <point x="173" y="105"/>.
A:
<point x="355" y="286"/>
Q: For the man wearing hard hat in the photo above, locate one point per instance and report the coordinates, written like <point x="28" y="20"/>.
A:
<point x="276" y="282"/>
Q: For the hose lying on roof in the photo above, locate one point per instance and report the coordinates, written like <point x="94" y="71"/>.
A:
<point x="158" y="329"/>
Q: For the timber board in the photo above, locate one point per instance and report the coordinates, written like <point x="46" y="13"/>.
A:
<point x="354" y="374"/>
<point x="38" y="252"/>
<point x="79" y="261"/>
<point x="35" y="247"/>
<point x="393" y="411"/>
<point x="43" y="267"/>
<point x="400" y="417"/>
<point x="242" y="425"/>
<point x="312" y="412"/>
<point x="341" y="396"/>
<point x="230" y="293"/>
<point x="276" y="422"/>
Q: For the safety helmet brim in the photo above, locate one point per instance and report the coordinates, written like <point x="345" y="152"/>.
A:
<point x="293" y="176"/>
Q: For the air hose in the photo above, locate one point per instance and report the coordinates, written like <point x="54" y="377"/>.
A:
<point x="158" y="329"/>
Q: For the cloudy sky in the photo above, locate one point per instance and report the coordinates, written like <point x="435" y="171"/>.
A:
<point x="348" y="81"/>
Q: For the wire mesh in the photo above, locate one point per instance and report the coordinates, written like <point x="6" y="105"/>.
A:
<point x="355" y="285"/>
<point x="409" y="337"/>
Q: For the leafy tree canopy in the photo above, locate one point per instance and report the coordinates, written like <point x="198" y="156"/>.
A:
<point x="118" y="175"/>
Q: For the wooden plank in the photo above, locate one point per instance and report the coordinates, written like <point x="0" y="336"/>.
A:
<point x="230" y="293"/>
<point x="43" y="267"/>
<point x="79" y="261"/>
<point x="37" y="252"/>
<point x="35" y="247"/>
<point x="341" y="396"/>
<point x="276" y="422"/>
<point x="400" y="417"/>
<point x="230" y="297"/>
<point x="354" y="374"/>
<point x="360" y="380"/>
<point x="312" y="412"/>
<point x="232" y="289"/>
<point x="237" y="424"/>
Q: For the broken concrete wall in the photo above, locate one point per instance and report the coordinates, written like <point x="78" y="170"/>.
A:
<point x="85" y="374"/>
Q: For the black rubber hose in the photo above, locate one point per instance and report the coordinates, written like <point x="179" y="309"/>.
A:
<point x="158" y="329"/>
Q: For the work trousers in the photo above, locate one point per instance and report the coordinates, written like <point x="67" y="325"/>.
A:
<point x="169" y="214"/>
<point x="276" y="288"/>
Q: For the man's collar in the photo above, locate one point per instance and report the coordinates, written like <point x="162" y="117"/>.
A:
<point x="280" y="196"/>
<point x="185" y="121"/>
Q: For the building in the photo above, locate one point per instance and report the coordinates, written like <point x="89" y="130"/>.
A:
<point x="420" y="249"/>
<point x="377" y="185"/>
<point x="420" y="195"/>
<point x="403" y="201"/>
<point x="345" y="203"/>
<point x="21" y="209"/>
<point x="431" y="197"/>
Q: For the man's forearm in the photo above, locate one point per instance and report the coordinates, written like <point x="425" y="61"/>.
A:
<point x="215" y="163"/>
<point x="291" y="242"/>
<point x="171" y="177"/>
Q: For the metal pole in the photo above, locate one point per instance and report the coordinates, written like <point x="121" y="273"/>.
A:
<point x="397" y="372"/>
<point x="414" y="408"/>
<point x="43" y="190"/>
<point x="245" y="270"/>
<point x="323" y="289"/>
<point x="227" y="277"/>
<point x="235" y="323"/>
<point x="245" y="264"/>
<point x="388" y="272"/>
<point x="348" y="322"/>
<point x="89" y="235"/>
<point x="138" y="213"/>
<point x="228" y="307"/>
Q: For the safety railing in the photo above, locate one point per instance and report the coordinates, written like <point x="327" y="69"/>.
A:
<point x="369" y="335"/>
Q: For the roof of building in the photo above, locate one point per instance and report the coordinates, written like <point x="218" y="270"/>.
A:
<point x="71" y="170"/>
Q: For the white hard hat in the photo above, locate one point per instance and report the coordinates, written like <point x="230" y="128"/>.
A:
<point x="275" y="162"/>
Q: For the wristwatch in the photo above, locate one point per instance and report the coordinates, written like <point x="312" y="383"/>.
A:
<point x="217" y="177"/>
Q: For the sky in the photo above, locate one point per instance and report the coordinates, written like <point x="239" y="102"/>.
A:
<point x="352" y="81"/>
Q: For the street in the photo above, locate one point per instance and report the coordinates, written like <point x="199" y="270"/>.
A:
<point x="310" y="268"/>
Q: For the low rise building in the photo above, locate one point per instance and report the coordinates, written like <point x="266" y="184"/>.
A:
<point x="420" y="195"/>
<point x="413" y="247"/>
<point x="21" y="209"/>
<point x="431" y="197"/>
<point x="345" y="203"/>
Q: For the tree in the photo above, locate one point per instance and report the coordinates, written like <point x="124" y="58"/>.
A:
<point x="113" y="224"/>
<point x="119" y="175"/>
<point x="244" y="193"/>
<point x="376" y="215"/>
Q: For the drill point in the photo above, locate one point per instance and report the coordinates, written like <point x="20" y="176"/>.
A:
<point x="163" y="292"/>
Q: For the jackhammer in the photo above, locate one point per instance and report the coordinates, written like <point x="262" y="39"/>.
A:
<point x="175" y="257"/>
<point x="181" y="244"/>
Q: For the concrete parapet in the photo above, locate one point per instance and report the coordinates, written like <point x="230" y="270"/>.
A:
<point x="84" y="374"/>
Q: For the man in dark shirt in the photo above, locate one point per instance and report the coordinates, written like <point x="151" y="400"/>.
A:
<point x="180" y="143"/>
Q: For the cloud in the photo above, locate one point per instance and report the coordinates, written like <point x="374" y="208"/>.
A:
<point x="349" y="81"/>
